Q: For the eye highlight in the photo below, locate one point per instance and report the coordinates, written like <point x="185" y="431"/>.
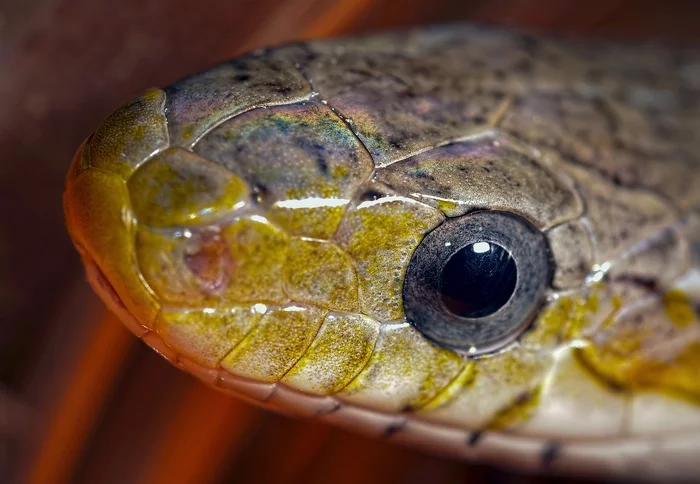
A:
<point x="478" y="280"/>
<point x="475" y="282"/>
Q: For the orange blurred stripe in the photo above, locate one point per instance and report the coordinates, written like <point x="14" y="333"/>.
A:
<point x="73" y="420"/>
<point x="293" y="464"/>
<point x="284" y="23"/>
<point x="338" y="18"/>
<point x="351" y="458"/>
<point x="306" y="19"/>
<point x="207" y="428"/>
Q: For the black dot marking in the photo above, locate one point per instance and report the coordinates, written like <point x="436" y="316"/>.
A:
<point x="370" y="196"/>
<point x="240" y="65"/>
<point x="421" y="174"/>
<point x="393" y="428"/>
<point x="260" y="192"/>
<point x="473" y="439"/>
<point x="649" y="284"/>
<point x="322" y="165"/>
<point x="333" y="409"/>
<point x="309" y="53"/>
<point x="550" y="452"/>
<point x="360" y="72"/>
<point x="395" y="143"/>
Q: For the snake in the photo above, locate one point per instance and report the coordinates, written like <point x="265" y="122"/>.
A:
<point x="480" y="242"/>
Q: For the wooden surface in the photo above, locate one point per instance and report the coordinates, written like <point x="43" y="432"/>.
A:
<point x="89" y="402"/>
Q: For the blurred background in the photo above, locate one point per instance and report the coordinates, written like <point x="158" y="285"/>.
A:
<point x="82" y="400"/>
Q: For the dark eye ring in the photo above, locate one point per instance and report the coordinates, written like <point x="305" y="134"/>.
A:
<point x="475" y="282"/>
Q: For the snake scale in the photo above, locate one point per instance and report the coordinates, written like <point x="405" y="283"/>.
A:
<point x="482" y="242"/>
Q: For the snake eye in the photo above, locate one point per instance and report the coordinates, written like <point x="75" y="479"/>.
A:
<point x="475" y="282"/>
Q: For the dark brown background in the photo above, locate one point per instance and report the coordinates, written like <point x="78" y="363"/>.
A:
<point x="89" y="402"/>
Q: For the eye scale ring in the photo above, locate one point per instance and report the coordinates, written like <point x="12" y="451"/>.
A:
<point x="509" y="261"/>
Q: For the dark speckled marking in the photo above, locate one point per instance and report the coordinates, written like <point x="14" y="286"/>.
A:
<point x="333" y="409"/>
<point x="474" y="438"/>
<point x="550" y="452"/>
<point x="197" y="103"/>
<point x="411" y="93"/>
<point x="297" y="152"/>
<point x="392" y="429"/>
<point x="631" y="146"/>
<point x="486" y="172"/>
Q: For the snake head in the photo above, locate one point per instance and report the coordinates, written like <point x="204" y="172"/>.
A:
<point x="396" y="246"/>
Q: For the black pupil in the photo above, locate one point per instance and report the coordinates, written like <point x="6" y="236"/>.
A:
<point x="478" y="280"/>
